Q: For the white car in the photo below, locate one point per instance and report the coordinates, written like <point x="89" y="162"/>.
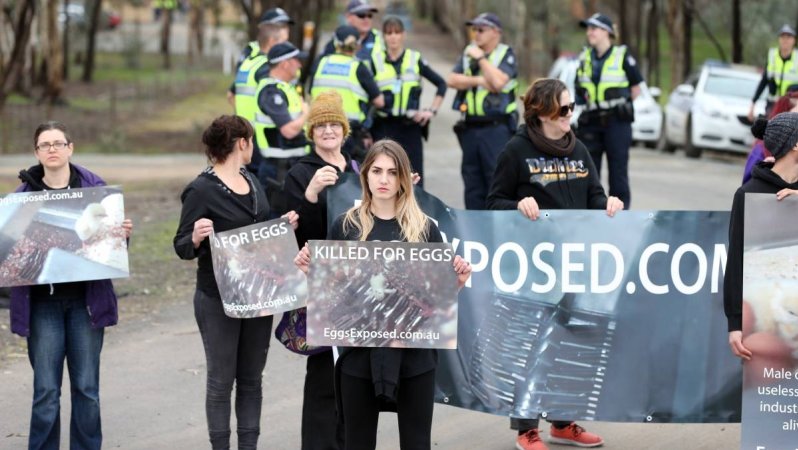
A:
<point x="646" y="128"/>
<point x="710" y="110"/>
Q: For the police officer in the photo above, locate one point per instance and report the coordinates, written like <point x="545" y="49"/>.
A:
<point x="781" y="71"/>
<point x="485" y="78"/>
<point x="353" y="80"/>
<point x="606" y="83"/>
<point x="359" y="14"/>
<point x="251" y="67"/>
<point x="398" y="74"/>
<point x="279" y="122"/>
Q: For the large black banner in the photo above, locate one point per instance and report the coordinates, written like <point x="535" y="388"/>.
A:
<point x="580" y="316"/>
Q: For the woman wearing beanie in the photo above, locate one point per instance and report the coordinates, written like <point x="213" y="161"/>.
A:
<point x="305" y="189"/>
<point x="780" y="135"/>
<point x="225" y="197"/>
<point x="544" y="166"/>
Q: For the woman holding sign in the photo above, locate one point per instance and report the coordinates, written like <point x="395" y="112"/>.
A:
<point x="780" y="135"/>
<point x="388" y="212"/>
<point x="544" y="166"/>
<point x="63" y="320"/>
<point x="224" y="197"/>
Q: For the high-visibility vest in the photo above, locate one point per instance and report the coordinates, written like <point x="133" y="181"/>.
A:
<point x="376" y="50"/>
<point x="482" y="102"/>
<point x="403" y="88"/>
<point x="339" y="73"/>
<point x="246" y="86"/>
<point x="785" y="74"/>
<point x="264" y="123"/>
<point x="254" y="48"/>
<point x="612" y="76"/>
<point x="165" y="4"/>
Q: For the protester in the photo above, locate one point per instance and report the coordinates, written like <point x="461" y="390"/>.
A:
<point x="607" y="82"/>
<point x="63" y="320"/>
<point x="781" y="71"/>
<point x="306" y="192"/>
<point x="353" y="80"/>
<point x="225" y="197"/>
<point x="486" y="79"/>
<point x="367" y="377"/>
<point x="780" y="135"/>
<point x="789" y="102"/>
<point x="398" y="73"/>
<point x="544" y="166"/>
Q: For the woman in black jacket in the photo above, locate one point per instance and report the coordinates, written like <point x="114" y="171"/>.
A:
<point x="388" y="212"/>
<point x="781" y="178"/>
<point x="224" y="197"/>
<point x="544" y="166"/>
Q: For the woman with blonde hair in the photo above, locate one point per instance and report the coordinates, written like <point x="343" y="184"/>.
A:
<point x="370" y="378"/>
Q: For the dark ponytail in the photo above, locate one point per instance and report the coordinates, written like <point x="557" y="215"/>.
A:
<point x="758" y="128"/>
<point x="221" y="136"/>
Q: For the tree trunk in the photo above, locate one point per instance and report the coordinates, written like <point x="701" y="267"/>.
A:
<point x="166" y="32"/>
<point x="674" y="18"/>
<point x="623" y="24"/>
<point x="737" y="33"/>
<point x="91" y="39"/>
<point x="652" y="43"/>
<point x="687" y="64"/>
<point x="196" y="33"/>
<point x="53" y="54"/>
<point x="66" y="42"/>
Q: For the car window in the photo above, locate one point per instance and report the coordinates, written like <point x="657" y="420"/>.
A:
<point x="730" y="86"/>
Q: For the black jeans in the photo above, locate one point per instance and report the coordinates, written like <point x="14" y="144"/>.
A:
<point x="414" y="412"/>
<point x="321" y="429"/>
<point x="523" y="425"/>
<point x="235" y="351"/>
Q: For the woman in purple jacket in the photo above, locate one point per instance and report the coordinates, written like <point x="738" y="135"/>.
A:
<point x="63" y="320"/>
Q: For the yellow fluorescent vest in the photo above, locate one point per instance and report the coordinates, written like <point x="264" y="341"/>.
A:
<point x="339" y="73"/>
<point x="264" y="122"/>
<point x="784" y="74"/>
<point x="475" y="98"/>
<point x="612" y="74"/>
<point x="402" y="84"/>
<point x="246" y="86"/>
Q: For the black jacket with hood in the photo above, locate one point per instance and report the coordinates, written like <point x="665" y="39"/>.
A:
<point x="312" y="216"/>
<point x="763" y="181"/>
<point x="555" y="182"/>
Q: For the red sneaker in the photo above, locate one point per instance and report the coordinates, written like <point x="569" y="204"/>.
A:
<point x="530" y="440"/>
<point x="573" y="434"/>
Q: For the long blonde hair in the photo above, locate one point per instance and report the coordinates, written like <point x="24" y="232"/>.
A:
<point x="412" y="220"/>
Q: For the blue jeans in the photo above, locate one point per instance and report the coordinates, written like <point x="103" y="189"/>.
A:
<point x="62" y="329"/>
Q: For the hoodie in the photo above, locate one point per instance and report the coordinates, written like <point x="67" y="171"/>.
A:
<point x="763" y="181"/>
<point x="555" y="182"/>
<point x="101" y="301"/>
<point x="312" y="216"/>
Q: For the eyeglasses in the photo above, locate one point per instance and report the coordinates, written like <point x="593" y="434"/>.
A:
<point x="565" y="109"/>
<point x="365" y="15"/>
<point x="480" y="30"/>
<point x="45" y="146"/>
<point x="335" y="126"/>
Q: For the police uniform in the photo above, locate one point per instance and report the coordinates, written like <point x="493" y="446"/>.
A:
<point x="353" y="80"/>
<point x="400" y="84"/>
<point x="779" y="75"/>
<point x="278" y="103"/>
<point x="488" y="123"/>
<point x="603" y="84"/>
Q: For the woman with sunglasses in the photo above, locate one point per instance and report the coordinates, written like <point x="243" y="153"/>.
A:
<point x="63" y="320"/>
<point x="367" y="377"/>
<point x="544" y="166"/>
<point x="398" y="73"/>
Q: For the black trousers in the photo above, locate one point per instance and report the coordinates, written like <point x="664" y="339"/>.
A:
<point x="523" y="425"/>
<point x="408" y="134"/>
<point x="613" y="138"/>
<point x="320" y="426"/>
<point x="414" y="412"/>
<point x="235" y="352"/>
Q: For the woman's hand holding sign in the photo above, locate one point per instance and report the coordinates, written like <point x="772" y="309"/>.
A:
<point x="302" y="259"/>
<point x="202" y="229"/>
<point x="463" y="270"/>
<point x="293" y="218"/>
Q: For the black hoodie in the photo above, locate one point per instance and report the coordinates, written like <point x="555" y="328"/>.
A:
<point x="569" y="182"/>
<point x="763" y="181"/>
<point x="312" y="216"/>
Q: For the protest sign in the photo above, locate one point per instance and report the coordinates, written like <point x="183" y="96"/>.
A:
<point x="382" y="294"/>
<point x="62" y="236"/>
<point x="254" y="269"/>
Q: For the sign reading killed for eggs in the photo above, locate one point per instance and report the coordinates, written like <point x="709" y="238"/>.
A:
<point x="254" y="269"/>
<point x="382" y="294"/>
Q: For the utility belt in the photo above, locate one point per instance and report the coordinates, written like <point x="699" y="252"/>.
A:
<point x="508" y="120"/>
<point x="619" y="109"/>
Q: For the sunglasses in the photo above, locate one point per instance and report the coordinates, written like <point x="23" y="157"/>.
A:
<point x="565" y="109"/>
<point x="365" y="15"/>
